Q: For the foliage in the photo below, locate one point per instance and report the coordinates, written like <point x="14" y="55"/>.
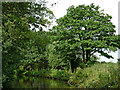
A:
<point x="22" y="46"/>
<point x="55" y="60"/>
<point x="82" y="32"/>
<point x="69" y="47"/>
<point x="96" y="76"/>
<point x="51" y="73"/>
<point x="60" y="74"/>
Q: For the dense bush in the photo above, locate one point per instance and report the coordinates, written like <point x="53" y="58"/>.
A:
<point x="60" y="74"/>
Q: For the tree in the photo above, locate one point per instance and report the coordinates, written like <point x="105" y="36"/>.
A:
<point x="17" y="20"/>
<point x="82" y="32"/>
<point x="55" y="60"/>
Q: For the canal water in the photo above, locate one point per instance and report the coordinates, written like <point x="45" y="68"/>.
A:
<point x="35" y="82"/>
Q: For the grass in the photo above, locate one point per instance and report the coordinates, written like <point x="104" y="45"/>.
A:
<point x="99" y="76"/>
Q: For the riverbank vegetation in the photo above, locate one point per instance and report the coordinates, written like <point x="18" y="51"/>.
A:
<point x="66" y="52"/>
<point x="97" y="76"/>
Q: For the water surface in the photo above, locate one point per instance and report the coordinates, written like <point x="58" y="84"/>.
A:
<point x="35" y="82"/>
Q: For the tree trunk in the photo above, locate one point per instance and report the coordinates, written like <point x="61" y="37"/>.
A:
<point x="87" y="56"/>
<point x="83" y="51"/>
<point x="83" y="54"/>
<point x="72" y="68"/>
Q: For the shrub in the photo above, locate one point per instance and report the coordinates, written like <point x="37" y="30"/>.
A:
<point x="60" y="74"/>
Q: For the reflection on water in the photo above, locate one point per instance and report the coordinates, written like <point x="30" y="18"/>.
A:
<point x="35" y="82"/>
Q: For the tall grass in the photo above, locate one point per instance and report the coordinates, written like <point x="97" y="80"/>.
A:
<point x="99" y="76"/>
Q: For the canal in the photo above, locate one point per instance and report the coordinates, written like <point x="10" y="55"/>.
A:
<point x="35" y="82"/>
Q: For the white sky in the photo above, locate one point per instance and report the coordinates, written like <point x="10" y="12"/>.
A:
<point x="110" y="7"/>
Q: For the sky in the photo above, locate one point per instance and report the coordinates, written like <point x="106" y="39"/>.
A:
<point x="110" y="7"/>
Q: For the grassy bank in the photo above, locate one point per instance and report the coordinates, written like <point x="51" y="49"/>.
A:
<point x="96" y="76"/>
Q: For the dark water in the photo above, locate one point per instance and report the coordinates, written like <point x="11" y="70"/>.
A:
<point x="35" y="82"/>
